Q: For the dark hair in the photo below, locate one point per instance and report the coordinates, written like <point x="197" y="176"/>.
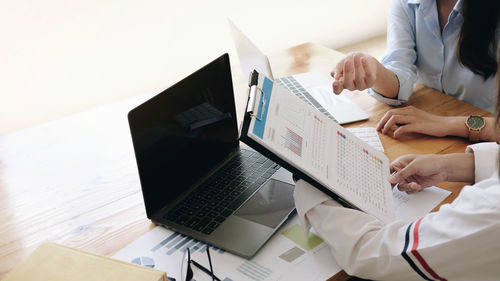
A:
<point x="477" y="41"/>
<point x="497" y="119"/>
<point x="497" y="111"/>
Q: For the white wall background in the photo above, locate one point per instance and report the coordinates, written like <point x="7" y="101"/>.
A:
<point x="58" y="56"/>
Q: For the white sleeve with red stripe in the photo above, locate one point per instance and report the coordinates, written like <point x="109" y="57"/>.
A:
<point x="485" y="153"/>
<point x="460" y="242"/>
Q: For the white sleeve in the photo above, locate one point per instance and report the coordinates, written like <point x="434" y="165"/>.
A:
<point x="366" y="247"/>
<point x="485" y="154"/>
<point x="401" y="56"/>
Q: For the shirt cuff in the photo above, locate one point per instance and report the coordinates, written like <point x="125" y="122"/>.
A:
<point x="485" y="159"/>
<point x="307" y="197"/>
<point x="405" y="86"/>
<point x="384" y="99"/>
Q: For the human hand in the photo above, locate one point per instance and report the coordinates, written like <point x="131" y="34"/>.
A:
<point x="413" y="172"/>
<point x="413" y="120"/>
<point x="356" y="71"/>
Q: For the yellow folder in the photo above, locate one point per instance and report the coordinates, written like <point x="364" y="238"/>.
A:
<point x="54" y="262"/>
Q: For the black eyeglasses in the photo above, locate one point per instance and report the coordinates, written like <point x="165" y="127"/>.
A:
<point x="187" y="271"/>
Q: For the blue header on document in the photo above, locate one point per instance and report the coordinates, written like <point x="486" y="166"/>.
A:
<point x="260" y="125"/>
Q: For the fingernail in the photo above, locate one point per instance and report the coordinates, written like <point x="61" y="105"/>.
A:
<point x="392" y="179"/>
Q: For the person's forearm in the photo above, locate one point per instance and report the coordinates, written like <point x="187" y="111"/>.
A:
<point x="361" y="244"/>
<point x="459" y="167"/>
<point x="456" y="127"/>
<point x="386" y="82"/>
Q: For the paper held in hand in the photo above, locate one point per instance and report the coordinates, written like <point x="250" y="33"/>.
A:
<point x="294" y="134"/>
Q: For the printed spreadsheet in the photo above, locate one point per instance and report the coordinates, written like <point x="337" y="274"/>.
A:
<point x="322" y="149"/>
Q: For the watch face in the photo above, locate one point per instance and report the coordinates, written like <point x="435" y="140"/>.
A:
<point x="475" y="122"/>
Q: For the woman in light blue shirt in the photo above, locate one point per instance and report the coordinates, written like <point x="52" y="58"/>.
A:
<point x="447" y="45"/>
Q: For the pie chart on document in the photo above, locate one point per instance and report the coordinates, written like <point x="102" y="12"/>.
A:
<point x="145" y="261"/>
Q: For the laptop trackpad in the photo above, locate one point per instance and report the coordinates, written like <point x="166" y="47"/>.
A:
<point x="270" y="205"/>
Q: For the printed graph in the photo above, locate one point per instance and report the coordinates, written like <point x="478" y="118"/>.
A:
<point x="292" y="254"/>
<point x="293" y="142"/>
<point x="254" y="270"/>
<point x="179" y="242"/>
<point x="144" y="261"/>
<point x="297" y="235"/>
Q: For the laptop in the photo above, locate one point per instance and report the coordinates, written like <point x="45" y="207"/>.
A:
<point x="313" y="87"/>
<point x="195" y="176"/>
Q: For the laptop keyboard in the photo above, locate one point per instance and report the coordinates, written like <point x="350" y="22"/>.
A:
<point x="294" y="86"/>
<point x="224" y="192"/>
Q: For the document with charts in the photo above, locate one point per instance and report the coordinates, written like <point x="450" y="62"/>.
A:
<point x="303" y="140"/>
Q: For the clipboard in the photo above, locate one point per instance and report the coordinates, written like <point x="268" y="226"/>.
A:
<point x="260" y="93"/>
<point x="257" y="99"/>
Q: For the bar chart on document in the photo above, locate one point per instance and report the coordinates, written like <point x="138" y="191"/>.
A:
<point x="289" y="255"/>
<point x="333" y="156"/>
<point x="296" y="131"/>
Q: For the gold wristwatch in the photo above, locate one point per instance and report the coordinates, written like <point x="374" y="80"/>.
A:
<point x="475" y="124"/>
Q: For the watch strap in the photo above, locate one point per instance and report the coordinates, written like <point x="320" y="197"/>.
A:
<point x="474" y="135"/>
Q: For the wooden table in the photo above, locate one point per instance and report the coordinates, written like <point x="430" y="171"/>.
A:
<point x="74" y="180"/>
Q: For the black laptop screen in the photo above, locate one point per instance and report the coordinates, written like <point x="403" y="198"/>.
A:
<point x="184" y="132"/>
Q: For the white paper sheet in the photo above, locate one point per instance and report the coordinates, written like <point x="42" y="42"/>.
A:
<point x="322" y="149"/>
<point x="368" y="135"/>
<point x="282" y="258"/>
<point x="410" y="207"/>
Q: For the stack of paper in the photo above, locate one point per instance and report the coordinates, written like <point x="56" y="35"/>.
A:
<point x="289" y="255"/>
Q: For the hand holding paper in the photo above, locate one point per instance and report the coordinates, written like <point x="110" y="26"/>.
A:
<point x="416" y="172"/>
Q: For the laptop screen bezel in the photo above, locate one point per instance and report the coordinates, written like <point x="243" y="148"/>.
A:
<point x="153" y="210"/>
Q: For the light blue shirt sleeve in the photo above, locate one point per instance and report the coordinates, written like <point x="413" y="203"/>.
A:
<point x="418" y="51"/>
<point x="401" y="55"/>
